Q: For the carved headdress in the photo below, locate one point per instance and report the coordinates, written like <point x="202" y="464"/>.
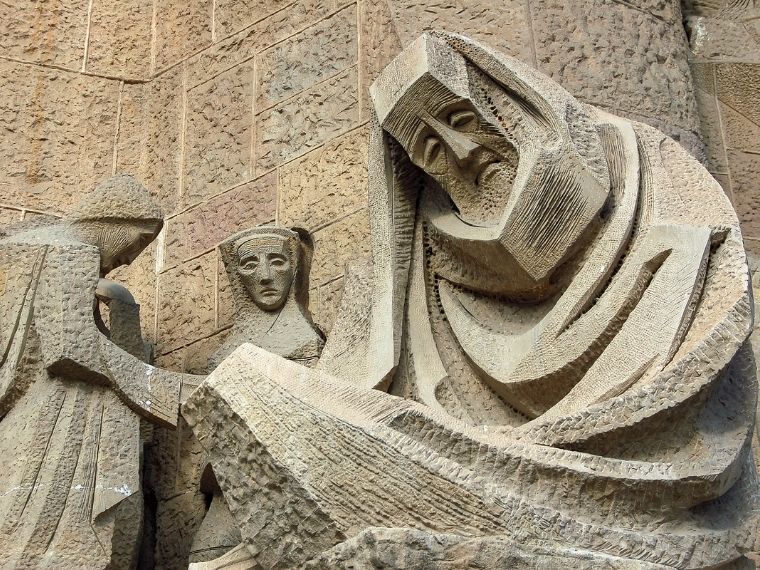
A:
<point x="120" y="197"/>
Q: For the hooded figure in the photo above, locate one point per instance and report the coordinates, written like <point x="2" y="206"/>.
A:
<point x="558" y="304"/>
<point x="71" y="400"/>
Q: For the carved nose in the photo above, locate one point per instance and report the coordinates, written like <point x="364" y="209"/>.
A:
<point x="460" y="145"/>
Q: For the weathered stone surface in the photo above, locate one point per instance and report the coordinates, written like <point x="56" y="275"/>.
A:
<point x="610" y="53"/>
<point x="120" y="38"/>
<point x="186" y="302"/>
<point x="307" y="120"/>
<point x="57" y="136"/>
<point x="182" y="28"/>
<point x="73" y="391"/>
<point x="148" y="143"/>
<point x="338" y="244"/>
<point x="202" y="227"/>
<point x="233" y="15"/>
<point x="745" y="182"/>
<point x="738" y="86"/>
<point x="329" y="302"/>
<point x="712" y="131"/>
<point x="9" y="216"/>
<point x="44" y="32"/>
<point x="304" y="59"/>
<point x="740" y="132"/>
<point x="325" y="184"/>
<point x="241" y="46"/>
<point x="379" y="44"/>
<point x="506" y="29"/>
<point x="218" y="134"/>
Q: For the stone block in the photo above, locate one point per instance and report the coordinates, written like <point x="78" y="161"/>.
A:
<point x="182" y="27"/>
<point x="718" y="38"/>
<point x="380" y="43"/>
<point x="197" y="355"/>
<point x="57" y="134"/>
<point x="233" y="15"/>
<point x="243" y="45"/>
<point x="738" y="86"/>
<point x="9" y="216"/>
<point x="186" y="303"/>
<point x="745" y="185"/>
<point x="148" y="144"/>
<point x="202" y="227"/>
<point x="740" y="132"/>
<point x="325" y="184"/>
<point x="329" y="302"/>
<point x="667" y="10"/>
<point x="506" y="29"/>
<point x="218" y="134"/>
<point x="611" y="54"/>
<point x="120" y="38"/>
<point x="306" y="58"/>
<point x="307" y="120"/>
<point x="44" y="32"/>
<point x="339" y="244"/>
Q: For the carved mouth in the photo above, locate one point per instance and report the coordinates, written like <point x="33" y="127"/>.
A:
<point x="269" y="292"/>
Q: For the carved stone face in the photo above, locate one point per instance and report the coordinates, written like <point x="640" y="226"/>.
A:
<point x="266" y="269"/>
<point x="123" y="243"/>
<point x="452" y="142"/>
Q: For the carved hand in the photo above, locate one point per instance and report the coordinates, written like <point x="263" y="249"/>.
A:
<point x="106" y="290"/>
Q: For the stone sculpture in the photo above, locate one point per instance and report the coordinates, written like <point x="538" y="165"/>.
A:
<point x="71" y="400"/>
<point x="560" y="296"/>
<point x="268" y="271"/>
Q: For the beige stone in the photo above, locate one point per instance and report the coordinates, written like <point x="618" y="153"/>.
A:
<point x="306" y="120"/>
<point x="185" y="302"/>
<point x="643" y="58"/>
<point x="338" y="244"/>
<point x="204" y="226"/>
<point x="182" y="28"/>
<point x="745" y="179"/>
<point x="53" y="120"/>
<point x="44" y="32"/>
<point x="330" y="295"/>
<point x="379" y="44"/>
<point x="325" y="184"/>
<point x="148" y="142"/>
<point x="233" y="15"/>
<point x="120" y="39"/>
<point x="304" y="59"/>
<point x="231" y="50"/>
<point x="218" y="134"/>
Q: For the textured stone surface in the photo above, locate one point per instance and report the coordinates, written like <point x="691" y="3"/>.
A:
<point x="745" y="184"/>
<point x="186" y="302"/>
<point x="232" y="15"/>
<point x="325" y="184"/>
<point x="202" y="227"/>
<point x="232" y="50"/>
<point x="120" y="39"/>
<point x="148" y="143"/>
<point x="338" y="244"/>
<point x="306" y="120"/>
<point x="57" y="135"/>
<point x="182" y="28"/>
<point x="306" y="58"/>
<point x="380" y="42"/>
<point x="44" y="32"/>
<point x="329" y="302"/>
<point x="612" y="54"/>
<point x="218" y="134"/>
<point x="738" y="85"/>
<point x="506" y="29"/>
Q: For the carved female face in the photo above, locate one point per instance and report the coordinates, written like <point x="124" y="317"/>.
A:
<point x="469" y="158"/>
<point x="119" y="242"/>
<point x="266" y="269"/>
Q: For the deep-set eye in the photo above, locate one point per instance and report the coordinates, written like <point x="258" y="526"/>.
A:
<point x="462" y="120"/>
<point x="277" y="261"/>
<point x="431" y="150"/>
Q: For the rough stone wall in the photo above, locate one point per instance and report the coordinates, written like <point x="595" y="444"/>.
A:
<point x="241" y="112"/>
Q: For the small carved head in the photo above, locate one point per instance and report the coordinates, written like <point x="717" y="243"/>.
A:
<point x="120" y="218"/>
<point x="267" y="263"/>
